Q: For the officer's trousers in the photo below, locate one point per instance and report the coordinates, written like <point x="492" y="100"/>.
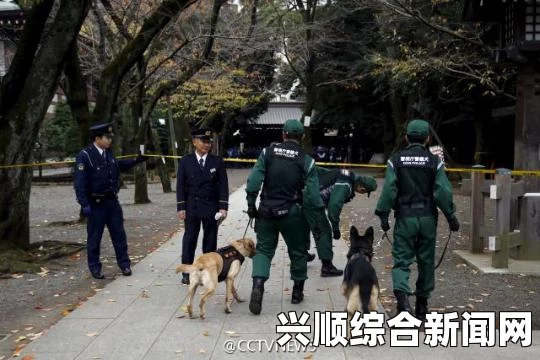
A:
<point x="295" y="232"/>
<point x="106" y="212"/>
<point x="414" y="237"/>
<point x="192" y="227"/>
<point x="322" y="232"/>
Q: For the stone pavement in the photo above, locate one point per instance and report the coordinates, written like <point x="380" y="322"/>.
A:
<point x="143" y="317"/>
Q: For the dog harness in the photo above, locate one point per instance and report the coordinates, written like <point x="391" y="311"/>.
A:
<point x="228" y="254"/>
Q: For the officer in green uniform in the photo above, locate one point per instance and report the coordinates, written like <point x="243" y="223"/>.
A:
<point x="337" y="187"/>
<point x="415" y="185"/>
<point x="290" y="180"/>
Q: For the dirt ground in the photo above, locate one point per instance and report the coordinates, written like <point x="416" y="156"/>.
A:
<point x="31" y="303"/>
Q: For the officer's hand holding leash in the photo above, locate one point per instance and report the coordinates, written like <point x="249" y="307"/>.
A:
<point x="384" y="223"/>
<point x="337" y="234"/>
<point x="453" y="223"/>
<point x="252" y="212"/>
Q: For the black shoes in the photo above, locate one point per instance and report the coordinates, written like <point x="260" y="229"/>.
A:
<point x="421" y="308"/>
<point x="126" y="271"/>
<point x="185" y="279"/>
<point x="402" y="301"/>
<point x="298" y="292"/>
<point x="255" y="303"/>
<point x="97" y="275"/>
<point x="328" y="269"/>
<point x="310" y="257"/>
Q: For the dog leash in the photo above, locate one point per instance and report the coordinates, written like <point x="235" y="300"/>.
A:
<point x="444" y="250"/>
<point x="385" y="235"/>
<point x="247" y="227"/>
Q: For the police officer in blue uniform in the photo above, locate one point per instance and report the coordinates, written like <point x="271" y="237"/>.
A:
<point x="96" y="187"/>
<point x="202" y="193"/>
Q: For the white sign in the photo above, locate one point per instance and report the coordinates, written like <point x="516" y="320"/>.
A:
<point x="307" y="121"/>
<point x="141" y="147"/>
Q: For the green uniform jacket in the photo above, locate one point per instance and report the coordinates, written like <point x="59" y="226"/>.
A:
<point x="341" y="192"/>
<point x="311" y="196"/>
<point x="442" y="191"/>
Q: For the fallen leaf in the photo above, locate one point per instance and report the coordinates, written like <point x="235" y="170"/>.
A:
<point x="322" y="289"/>
<point x="18" y="350"/>
<point x="177" y="352"/>
<point x="16" y="276"/>
<point x="21" y="338"/>
<point x="181" y="316"/>
<point x="27" y="329"/>
<point x="202" y="351"/>
<point x="310" y="356"/>
<point x="33" y="337"/>
<point x="92" y="334"/>
<point x="44" y="271"/>
<point x="111" y="300"/>
<point x="205" y="333"/>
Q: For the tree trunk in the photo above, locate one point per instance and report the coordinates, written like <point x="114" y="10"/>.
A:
<point x="22" y="118"/>
<point x="76" y="94"/>
<point x="141" y="184"/>
<point x="161" y="168"/>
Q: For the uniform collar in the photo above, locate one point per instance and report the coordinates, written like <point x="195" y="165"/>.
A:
<point x="199" y="157"/>
<point x="415" y="145"/>
<point x="100" y="150"/>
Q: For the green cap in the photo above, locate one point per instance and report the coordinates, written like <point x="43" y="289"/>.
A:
<point x="293" y="126"/>
<point x="418" y="128"/>
<point x="368" y="182"/>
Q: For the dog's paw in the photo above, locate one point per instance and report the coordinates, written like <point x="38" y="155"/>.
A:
<point x="240" y="300"/>
<point x="202" y="316"/>
<point x="228" y="310"/>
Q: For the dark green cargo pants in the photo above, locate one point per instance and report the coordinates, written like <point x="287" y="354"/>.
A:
<point x="414" y="237"/>
<point x="322" y="232"/>
<point x="295" y="232"/>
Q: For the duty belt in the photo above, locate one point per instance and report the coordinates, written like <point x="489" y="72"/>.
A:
<point x="107" y="195"/>
<point x="420" y="208"/>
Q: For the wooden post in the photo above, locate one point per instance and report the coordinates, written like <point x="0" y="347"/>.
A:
<point x="527" y="124"/>
<point x="502" y="192"/>
<point x="530" y="227"/>
<point x="477" y="213"/>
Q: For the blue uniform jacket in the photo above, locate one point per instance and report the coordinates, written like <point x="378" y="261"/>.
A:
<point x="202" y="192"/>
<point x="95" y="174"/>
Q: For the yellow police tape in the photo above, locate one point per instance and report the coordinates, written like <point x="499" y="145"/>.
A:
<point x="341" y="165"/>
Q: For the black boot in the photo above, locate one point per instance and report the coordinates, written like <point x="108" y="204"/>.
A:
<point x="298" y="292"/>
<point x="421" y="308"/>
<point x="310" y="257"/>
<point x="328" y="269"/>
<point x="255" y="304"/>
<point x="402" y="301"/>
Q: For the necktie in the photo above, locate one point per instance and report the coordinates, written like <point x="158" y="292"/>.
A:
<point x="104" y="155"/>
<point x="201" y="163"/>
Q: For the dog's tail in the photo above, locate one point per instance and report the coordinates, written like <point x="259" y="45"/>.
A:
<point x="365" y="295"/>
<point x="185" y="268"/>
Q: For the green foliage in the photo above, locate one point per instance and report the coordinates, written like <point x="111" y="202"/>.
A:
<point x="60" y="135"/>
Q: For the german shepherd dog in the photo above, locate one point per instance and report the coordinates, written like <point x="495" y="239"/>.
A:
<point x="360" y="284"/>
<point x="210" y="268"/>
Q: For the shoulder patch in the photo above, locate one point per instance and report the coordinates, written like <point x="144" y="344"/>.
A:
<point x="80" y="166"/>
